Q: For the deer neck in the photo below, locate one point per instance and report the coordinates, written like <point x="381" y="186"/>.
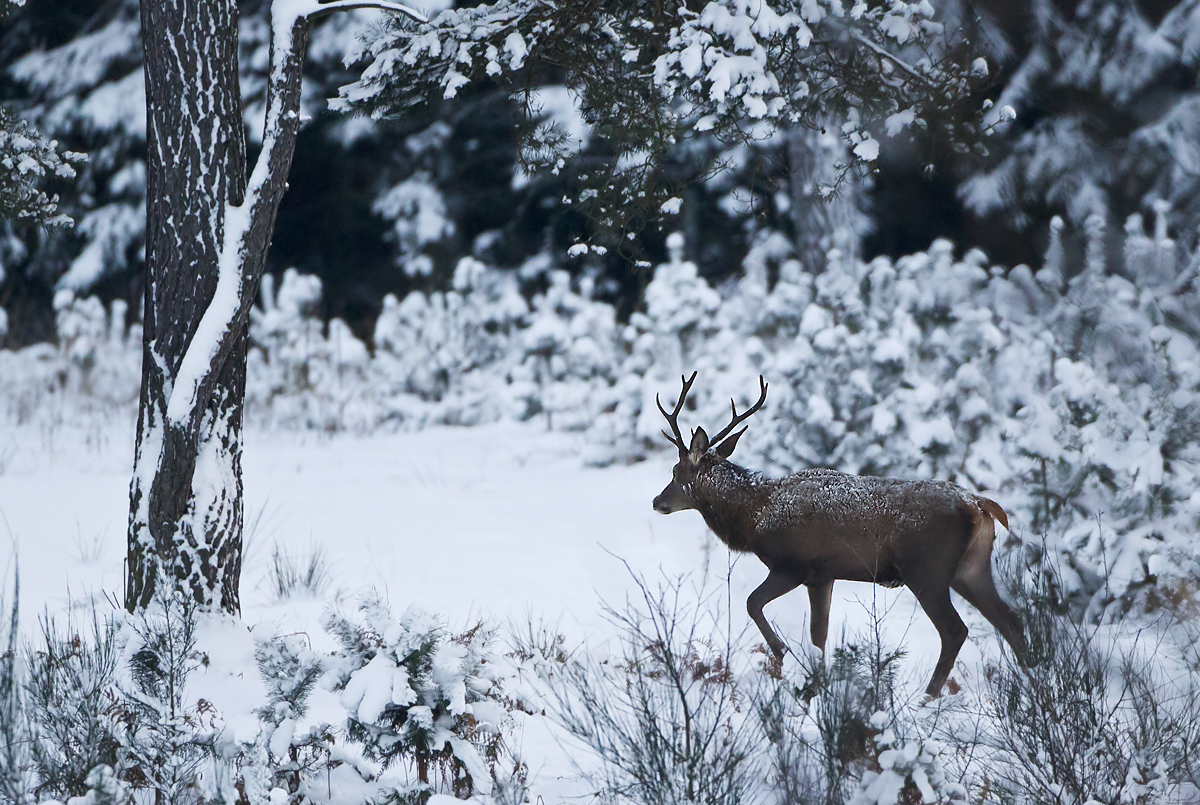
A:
<point x="729" y="498"/>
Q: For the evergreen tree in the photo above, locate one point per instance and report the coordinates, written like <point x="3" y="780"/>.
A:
<point x="1108" y="114"/>
<point x="27" y="163"/>
<point x="646" y="76"/>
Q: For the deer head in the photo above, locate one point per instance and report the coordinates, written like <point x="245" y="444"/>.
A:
<point x="702" y="452"/>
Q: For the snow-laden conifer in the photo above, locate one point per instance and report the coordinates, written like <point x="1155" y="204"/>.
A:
<point x="422" y="697"/>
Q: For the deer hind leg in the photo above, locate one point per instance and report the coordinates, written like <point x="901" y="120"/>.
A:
<point x="775" y="585"/>
<point x="820" y="594"/>
<point x="935" y="600"/>
<point x="973" y="581"/>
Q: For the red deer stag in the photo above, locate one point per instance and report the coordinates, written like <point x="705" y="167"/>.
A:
<point x="820" y="525"/>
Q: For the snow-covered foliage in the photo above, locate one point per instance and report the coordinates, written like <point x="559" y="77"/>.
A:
<point x="645" y="81"/>
<point x="93" y="371"/>
<point x="438" y="355"/>
<point x="1067" y="401"/>
<point x="70" y="696"/>
<point x="1084" y="68"/>
<point x="127" y="709"/>
<point x="421" y="700"/>
<point x="90" y="92"/>
<point x="304" y="377"/>
<point x="28" y="161"/>
<point x="400" y="710"/>
<point x="905" y="763"/>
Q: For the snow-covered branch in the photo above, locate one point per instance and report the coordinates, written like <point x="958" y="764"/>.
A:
<point x="884" y="54"/>
<point x="382" y="5"/>
<point x="727" y="71"/>
<point x="26" y="161"/>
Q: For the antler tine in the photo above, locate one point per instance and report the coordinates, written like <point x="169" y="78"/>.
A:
<point x="673" y="417"/>
<point x="740" y="418"/>
<point x="677" y="439"/>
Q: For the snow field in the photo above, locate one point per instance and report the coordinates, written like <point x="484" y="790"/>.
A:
<point x="502" y="523"/>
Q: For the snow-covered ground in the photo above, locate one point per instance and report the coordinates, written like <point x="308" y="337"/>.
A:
<point x="500" y="522"/>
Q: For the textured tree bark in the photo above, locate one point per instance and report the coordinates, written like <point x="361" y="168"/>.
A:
<point x="185" y="520"/>
<point x="806" y="217"/>
<point x="820" y="224"/>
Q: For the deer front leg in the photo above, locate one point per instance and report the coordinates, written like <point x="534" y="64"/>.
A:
<point x="935" y="600"/>
<point x="820" y="594"/>
<point x="775" y="585"/>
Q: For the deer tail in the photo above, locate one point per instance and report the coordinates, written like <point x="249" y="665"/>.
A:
<point x="993" y="509"/>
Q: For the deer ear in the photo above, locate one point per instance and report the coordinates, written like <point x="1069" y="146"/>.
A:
<point x="725" y="448"/>
<point x="699" y="444"/>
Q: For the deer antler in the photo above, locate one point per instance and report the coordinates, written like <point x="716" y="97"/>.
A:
<point x="673" y="417"/>
<point x="739" y="418"/>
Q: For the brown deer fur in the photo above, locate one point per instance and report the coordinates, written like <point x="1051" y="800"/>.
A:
<point x="820" y="525"/>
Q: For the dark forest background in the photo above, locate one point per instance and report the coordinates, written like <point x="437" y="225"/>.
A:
<point x="1108" y="123"/>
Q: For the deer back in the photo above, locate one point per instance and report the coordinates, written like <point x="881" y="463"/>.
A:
<point x="823" y="524"/>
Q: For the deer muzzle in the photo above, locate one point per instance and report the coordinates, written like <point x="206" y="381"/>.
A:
<point x="672" y="499"/>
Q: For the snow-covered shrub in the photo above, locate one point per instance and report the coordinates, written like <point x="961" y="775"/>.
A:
<point x="103" y="355"/>
<point x="669" y="718"/>
<point x="72" y="706"/>
<point x="675" y="333"/>
<point x="418" y="212"/>
<point x="1063" y="400"/>
<point x="441" y="357"/>
<point x="570" y="355"/>
<point x="298" y="375"/>
<point x="903" y="767"/>
<point x="111" y="715"/>
<point x="817" y="717"/>
<point x="93" y="373"/>
<point x="420" y="700"/>
<point x="1105" y="713"/>
<point x="283" y="758"/>
<point x="167" y="742"/>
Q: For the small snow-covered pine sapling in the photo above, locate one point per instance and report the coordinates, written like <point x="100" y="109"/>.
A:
<point x="166" y="740"/>
<point x="422" y="698"/>
<point x="282" y="759"/>
<point x="72" y="699"/>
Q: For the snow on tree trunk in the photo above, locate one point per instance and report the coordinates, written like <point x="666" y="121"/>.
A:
<point x="207" y="237"/>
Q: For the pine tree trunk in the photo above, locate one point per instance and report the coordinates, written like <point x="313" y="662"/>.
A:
<point x="806" y="213"/>
<point x="821" y="224"/>
<point x="185" y="521"/>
